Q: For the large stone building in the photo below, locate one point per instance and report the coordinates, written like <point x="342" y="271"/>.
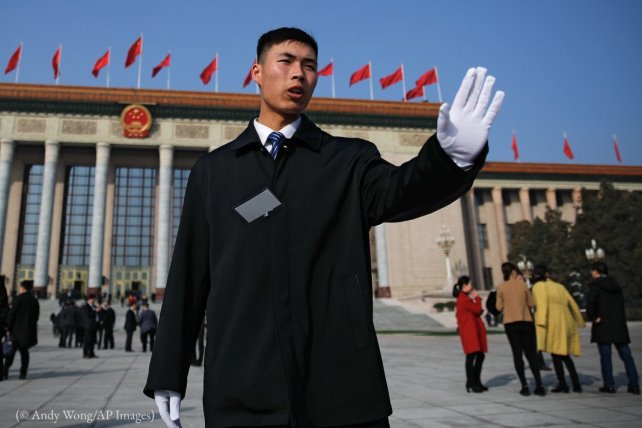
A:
<point x="91" y="187"/>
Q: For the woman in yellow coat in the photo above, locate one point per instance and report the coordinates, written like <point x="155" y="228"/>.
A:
<point x="557" y="321"/>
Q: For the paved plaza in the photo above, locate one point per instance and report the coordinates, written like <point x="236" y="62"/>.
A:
<point x="425" y="375"/>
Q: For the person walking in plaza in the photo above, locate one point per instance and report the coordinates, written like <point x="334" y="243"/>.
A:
<point x="109" y="319"/>
<point x="22" y="323"/>
<point x="4" y="313"/>
<point x="148" y="322"/>
<point x="131" y="320"/>
<point x="472" y="331"/>
<point x="90" y="324"/>
<point x="67" y="319"/>
<point x="605" y="309"/>
<point x="514" y="300"/>
<point x="557" y="323"/>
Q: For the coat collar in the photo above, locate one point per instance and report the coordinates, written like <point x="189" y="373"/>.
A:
<point x="308" y="134"/>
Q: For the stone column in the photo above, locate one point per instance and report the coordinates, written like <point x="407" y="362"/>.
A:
<point x="551" y="198"/>
<point x="383" y="289"/>
<point x="41" y="275"/>
<point x="6" y="160"/>
<point x="98" y="219"/>
<point x="501" y="221"/>
<point x="164" y="227"/>
<point x="525" y="201"/>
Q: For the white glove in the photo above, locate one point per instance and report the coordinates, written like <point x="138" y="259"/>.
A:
<point x="462" y="130"/>
<point x="169" y="406"/>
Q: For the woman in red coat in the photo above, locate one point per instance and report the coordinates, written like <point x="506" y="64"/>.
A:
<point x="471" y="331"/>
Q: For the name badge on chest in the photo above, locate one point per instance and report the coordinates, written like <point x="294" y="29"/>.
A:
<point x="258" y="206"/>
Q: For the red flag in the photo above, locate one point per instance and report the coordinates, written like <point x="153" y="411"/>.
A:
<point x="361" y="74"/>
<point x="428" y="78"/>
<point x="206" y="74"/>
<point x="395" y="77"/>
<point x="248" y="78"/>
<point x="14" y="60"/>
<point x="55" y="63"/>
<point x="514" y="146"/>
<point x="415" y="92"/>
<point x="100" y="64"/>
<point x="328" y="70"/>
<point x="567" y="148"/>
<point x="135" y="50"/>
<point x="617" y="149"/>
<point x="164" y="63"/>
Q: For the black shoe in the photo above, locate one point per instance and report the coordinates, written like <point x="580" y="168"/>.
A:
<point x="474" y="387"/>
<point x="577" y="388"/>
<point x="607" y="389"/>
<point x="22" y="377"/>
<point x="483" y="387"/>
<point x="633" y="390"/>
<point x="561" y="388"/>
<point x="540" y="391"/>
<point x="525" y="391"/>
<point x="545" y="368"/>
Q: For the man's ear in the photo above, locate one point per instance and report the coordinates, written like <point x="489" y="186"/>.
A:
<point x="257" y="73"/>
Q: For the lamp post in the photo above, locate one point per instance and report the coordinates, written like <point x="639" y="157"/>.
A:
<point x="526" y="267"/>
<point x="594" y="253"/>
<point x="445" y="241"/>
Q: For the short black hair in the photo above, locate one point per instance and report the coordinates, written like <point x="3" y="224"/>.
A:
<point x="539" y="273"/>
<point x="600" y="267"/>
<point x="283" y="34"/>
<point x="507" y="269"/>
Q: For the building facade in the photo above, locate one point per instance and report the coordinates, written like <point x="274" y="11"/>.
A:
<point x="92" y="182"/>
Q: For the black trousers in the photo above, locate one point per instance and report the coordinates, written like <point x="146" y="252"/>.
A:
<point x="24" y="360"/>
<point x="108" y="337"/>
<point x="128" y="341"/>
<point x="521" y="336"/>
<point x="143" y="338"/>
<point x="558" y="360"/>
<point x="88" y="342"/>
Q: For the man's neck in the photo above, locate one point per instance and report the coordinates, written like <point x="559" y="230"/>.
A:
<point x="274" y="121"/>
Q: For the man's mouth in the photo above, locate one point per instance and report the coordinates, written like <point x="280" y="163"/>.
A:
<point x="296" y="91"/>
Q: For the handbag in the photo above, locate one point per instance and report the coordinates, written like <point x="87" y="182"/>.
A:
<point x="8" y="346"/>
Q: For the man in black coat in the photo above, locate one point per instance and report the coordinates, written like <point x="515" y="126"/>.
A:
<point x="605" y="308"/>
<point x="90" y="323"/>
<point x="131" y="320"/>
<point x="109" y="319"/>
<point x="4" y="312"/>
<point x="286" y="278"/>
<point x="22" y="323"/>
<point x="67" y="320"/>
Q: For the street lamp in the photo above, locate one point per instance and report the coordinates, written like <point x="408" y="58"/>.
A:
<point x="445" y="241"/>
<point x="594" y="253"/>
<point x="526" y="267"/>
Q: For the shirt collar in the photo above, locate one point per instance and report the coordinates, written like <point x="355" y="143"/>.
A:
<point x="288" y="130"/>
<point x="307" y="134"/>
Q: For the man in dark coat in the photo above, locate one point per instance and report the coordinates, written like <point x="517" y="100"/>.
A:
<point x="22" y="323"/>
<point x="109" y="319"/>
<point x="148" y="322"/>
<point x="605" y="308"/>
<point x="90" y="323"/>
<point x="4" y="312"/>
<point x="130" y="325"/>
<point x="287" y="285"/>
<point x="67" y="320"/>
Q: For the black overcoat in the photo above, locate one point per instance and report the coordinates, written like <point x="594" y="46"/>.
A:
<point x="290" y="336"/>
<point x="606" y="301"/>
<point x="22" y="321"/>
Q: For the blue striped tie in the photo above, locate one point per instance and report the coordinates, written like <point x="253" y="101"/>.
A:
<point x="276" y="140"/>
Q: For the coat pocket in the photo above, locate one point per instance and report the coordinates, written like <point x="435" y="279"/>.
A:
<point x="356" y="311"/>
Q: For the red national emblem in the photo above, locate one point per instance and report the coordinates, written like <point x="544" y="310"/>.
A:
<point x="136" y="121"/>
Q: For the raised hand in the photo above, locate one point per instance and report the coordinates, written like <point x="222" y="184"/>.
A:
<point x="462" y="129"/>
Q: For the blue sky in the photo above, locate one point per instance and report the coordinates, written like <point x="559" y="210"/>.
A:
<point x="566" y="65"/>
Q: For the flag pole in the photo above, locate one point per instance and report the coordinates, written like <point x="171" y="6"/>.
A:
<point x="140" y="61"/>
<point x="216" y="74"/>
<point x="371" y="90"/>
<point x="19" y="60"/>
<point x="403" y="83"/>
<point x="59" y="64"/>
<point x="108" y="64"/>
<point x="438" y="85"/>
<point x="169" y="69"/>
<point x="333" y="93"/>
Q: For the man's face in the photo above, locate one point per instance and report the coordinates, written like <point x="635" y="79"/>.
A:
<point x="287" y="75"/>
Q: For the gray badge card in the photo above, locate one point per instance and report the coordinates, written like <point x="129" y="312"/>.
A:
<point x="258" y="206"/>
